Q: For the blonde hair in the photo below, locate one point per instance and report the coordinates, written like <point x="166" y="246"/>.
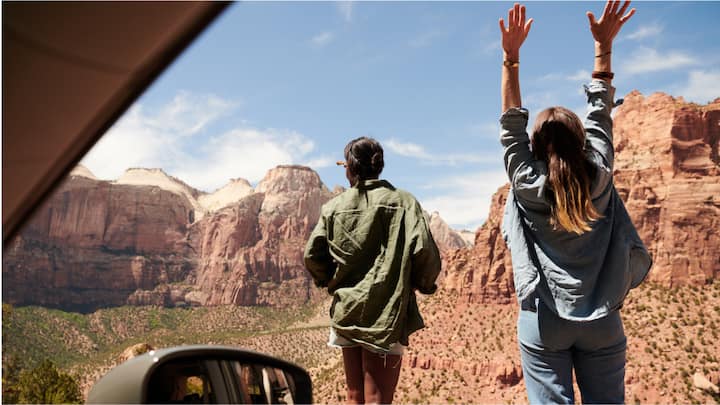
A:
<point x="559" y="140"/>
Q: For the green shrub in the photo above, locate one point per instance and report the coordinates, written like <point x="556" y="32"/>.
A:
<point x="45" y="384"/>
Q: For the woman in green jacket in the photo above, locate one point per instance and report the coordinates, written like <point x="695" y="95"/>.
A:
<point x="372" y="249"/>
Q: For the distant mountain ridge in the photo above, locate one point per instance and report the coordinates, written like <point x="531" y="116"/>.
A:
<point x="148" y="238"/>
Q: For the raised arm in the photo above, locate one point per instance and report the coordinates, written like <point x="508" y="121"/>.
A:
<point x="524" y="172"/>
<point x="512" y="39"/>
<point x="600" y="93"/>
<point x="604" y="31"/>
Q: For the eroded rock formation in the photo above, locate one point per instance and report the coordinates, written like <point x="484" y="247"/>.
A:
<point x="150" y="239"/>
<point x="445" y="237"/>
<point x="667" y="171"/>
<point x="94" y="243"/>
<point x="251" y="252"/>
<point x="483" y="273"/>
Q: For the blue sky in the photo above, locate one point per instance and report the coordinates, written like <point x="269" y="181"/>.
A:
<point x="292" y="82"/>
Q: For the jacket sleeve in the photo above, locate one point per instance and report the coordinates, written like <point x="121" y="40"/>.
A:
<point x="317" y="255"/>
<point x="598" y="132"/>
<point x="426" y="262"/>
<point x="527" y="175"/>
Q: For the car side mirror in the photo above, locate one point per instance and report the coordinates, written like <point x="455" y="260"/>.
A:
<point x="204" y="374"/>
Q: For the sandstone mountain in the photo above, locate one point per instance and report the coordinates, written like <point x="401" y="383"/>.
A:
<point x="251" y="252"/>
<point x="667" y="171"/>
<point x="231" y="192"/>
<point x="150" y="239"/>
<point x="95" y="242"/>
<point x="446" y="238"/>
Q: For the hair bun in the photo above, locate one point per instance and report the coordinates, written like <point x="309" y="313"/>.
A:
<point x="377" y="161"/>
<point x="364" y="158"/>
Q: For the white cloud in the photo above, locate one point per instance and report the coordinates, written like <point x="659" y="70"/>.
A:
<point x="323" y="38"/>
<point x="416" y="151"/>
<point x="189" y="114"/>
<point x="581" y="74"/>
<point x="650" y="60"/>
<point x="173" y="138"/>
<point x="346" y="9"/>
<point x="320" y="162"/>
<point x="702" y="86"/>
<point x="425" y="39"/>
<point x="465" y="204"/>
<point x="489" y="130"/>
<point x="549" y="76"/>
<point x="492" y="46"/>
<point x="407" y="149"/>
<point x="645" y="31"/>
<point x="536" y="101"/>
<point x="248" y="153"/>
<point x="153" y="141"/>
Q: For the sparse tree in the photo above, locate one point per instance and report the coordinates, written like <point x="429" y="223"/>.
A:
<point x="10" y="379"/>
<point x="45" y="384"/>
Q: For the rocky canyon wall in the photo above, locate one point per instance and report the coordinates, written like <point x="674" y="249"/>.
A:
<point x="148" y="238"/>
<point x="667" y="171"/>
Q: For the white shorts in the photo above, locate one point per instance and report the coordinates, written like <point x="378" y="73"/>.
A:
<point x="337" y="341"/>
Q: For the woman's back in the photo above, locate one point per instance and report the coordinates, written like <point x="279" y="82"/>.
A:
<point x="580" y="276"/>
<point x="372" y="249"/>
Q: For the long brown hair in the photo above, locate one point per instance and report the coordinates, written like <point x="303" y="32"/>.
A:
<point x="559" y="140"/>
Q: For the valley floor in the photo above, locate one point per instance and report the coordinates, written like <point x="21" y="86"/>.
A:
<point x="467" y="354"/>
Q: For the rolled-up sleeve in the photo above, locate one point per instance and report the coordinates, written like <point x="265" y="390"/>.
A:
<point x="598" y="123"/>
<point x="526" y="174"/>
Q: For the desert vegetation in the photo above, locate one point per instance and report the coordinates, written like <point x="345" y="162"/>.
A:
<point x="467" y="353"/>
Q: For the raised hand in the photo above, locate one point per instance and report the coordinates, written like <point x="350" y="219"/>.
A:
<point x="605" y="29"/>
<point x="516" y="32"/>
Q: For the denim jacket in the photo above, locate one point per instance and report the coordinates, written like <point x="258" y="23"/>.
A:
<point x="579" y="277"/>
<point x="372" y="248"/>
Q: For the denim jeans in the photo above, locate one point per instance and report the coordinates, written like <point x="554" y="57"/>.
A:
<point x="550" y="347"/>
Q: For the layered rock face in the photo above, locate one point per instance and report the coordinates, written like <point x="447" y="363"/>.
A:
<point x="445" y="237"/>
<point x="667" y="171"/>
<point x="148" y="238"/>
<point x="251" y="252"/>
<point x="94" y="243"/>
<point x="483" y="273"/>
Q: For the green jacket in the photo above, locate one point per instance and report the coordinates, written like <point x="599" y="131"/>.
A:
<point x="372" y="248"/>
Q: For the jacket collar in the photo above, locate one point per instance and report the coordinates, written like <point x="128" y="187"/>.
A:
<point x="373" y="184"/>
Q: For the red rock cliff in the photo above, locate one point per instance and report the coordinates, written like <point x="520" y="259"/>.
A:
<point x="668" y="172"/>
<point x="149" y="238"/>
<point x="251" y="253"/>
<point x="100" y="243"/>
<point x="446" y="238"/>
<point x="94" y="243"/>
